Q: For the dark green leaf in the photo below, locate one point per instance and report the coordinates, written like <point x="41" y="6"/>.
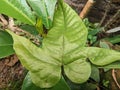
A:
<point x="95" y="73"/>
<point x="30" y="29"/>
<point x="6" y="44"/>
<point x="88" y="86"/>
<point x="114" y="39"/>
<point x="28" y="85"/>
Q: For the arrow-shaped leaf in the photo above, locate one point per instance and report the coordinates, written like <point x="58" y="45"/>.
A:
<point x="45" y="64"/>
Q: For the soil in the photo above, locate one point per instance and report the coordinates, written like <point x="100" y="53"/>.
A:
<point x="12" y="71"/>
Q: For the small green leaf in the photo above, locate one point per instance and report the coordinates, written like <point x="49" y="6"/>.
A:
<point x="17" y="9"/>
<point x="115" y="39"/>
<point x="45" y="10"/>
<point x="6" y="44"/>
<point x="39" y="27"/>
<point x="95" y="75"/>
<point x="104" y="44"/>
<point x="31" y="29"/>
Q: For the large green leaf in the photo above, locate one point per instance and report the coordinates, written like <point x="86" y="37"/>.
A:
<point x="18" y="9"/>
<point x="44" y="9"/>
<point x="45" y="64"/>
<point x="63" y="50"/>
<point x="28" y="85"/>
<point x="6" y="44"/>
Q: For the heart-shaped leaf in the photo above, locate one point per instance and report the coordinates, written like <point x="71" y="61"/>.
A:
<point x="6" y="44"/>
<point x="44" y="9"/>
<point x="17" y="9"/>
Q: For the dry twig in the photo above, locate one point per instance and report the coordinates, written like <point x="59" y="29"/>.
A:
<point x="87" y="8"/>
<point x="114" y="77"/>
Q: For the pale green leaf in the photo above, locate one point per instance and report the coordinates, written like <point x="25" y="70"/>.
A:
<point x="78" y="71"/>
<point x="17" y="9"/>
<point x="45" y="10"/>
<point x="101" y="56"/>
<point x="66" y="36"/>
<point x="40" y="64"/>
<point x="115" y="65"/>
<point x="63" y="50"/>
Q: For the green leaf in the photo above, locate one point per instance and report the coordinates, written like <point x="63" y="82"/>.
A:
<point x="63" y="50"/>
<point x="114" y="39"/>
<point x="17" y="9"/>
<point x="88" y="86"/>
<point x="45" y="10"/>
<point x="28" y="85"/>
<point x="66" y="36"/>
<point x="31" y="29"/>
<point x="101" y="56"/>
<point x="104" y="44"/>
<point x="6" y="44"/>
<point x="95" y="75"/>
<point x="115" y="65"/>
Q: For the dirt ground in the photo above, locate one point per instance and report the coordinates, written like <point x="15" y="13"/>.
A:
<point x="10" y="68"/>
<point x="11" y="73"/>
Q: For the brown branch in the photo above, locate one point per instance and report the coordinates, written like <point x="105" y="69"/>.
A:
<point x="114" y="77"/>
<point x="87" y="8"/>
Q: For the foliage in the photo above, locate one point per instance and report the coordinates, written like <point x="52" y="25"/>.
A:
<point x="56" y="56"/>
<point x="93" y="30"/>
<point x="44" y="9"/>
<point x="18" y="9"/>
<point x="63" y="52"/>
<point x="28" y="85"/>
<point x="6" y="44"/>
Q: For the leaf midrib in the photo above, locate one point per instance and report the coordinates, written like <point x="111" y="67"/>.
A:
<point x="63" y="33"/>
